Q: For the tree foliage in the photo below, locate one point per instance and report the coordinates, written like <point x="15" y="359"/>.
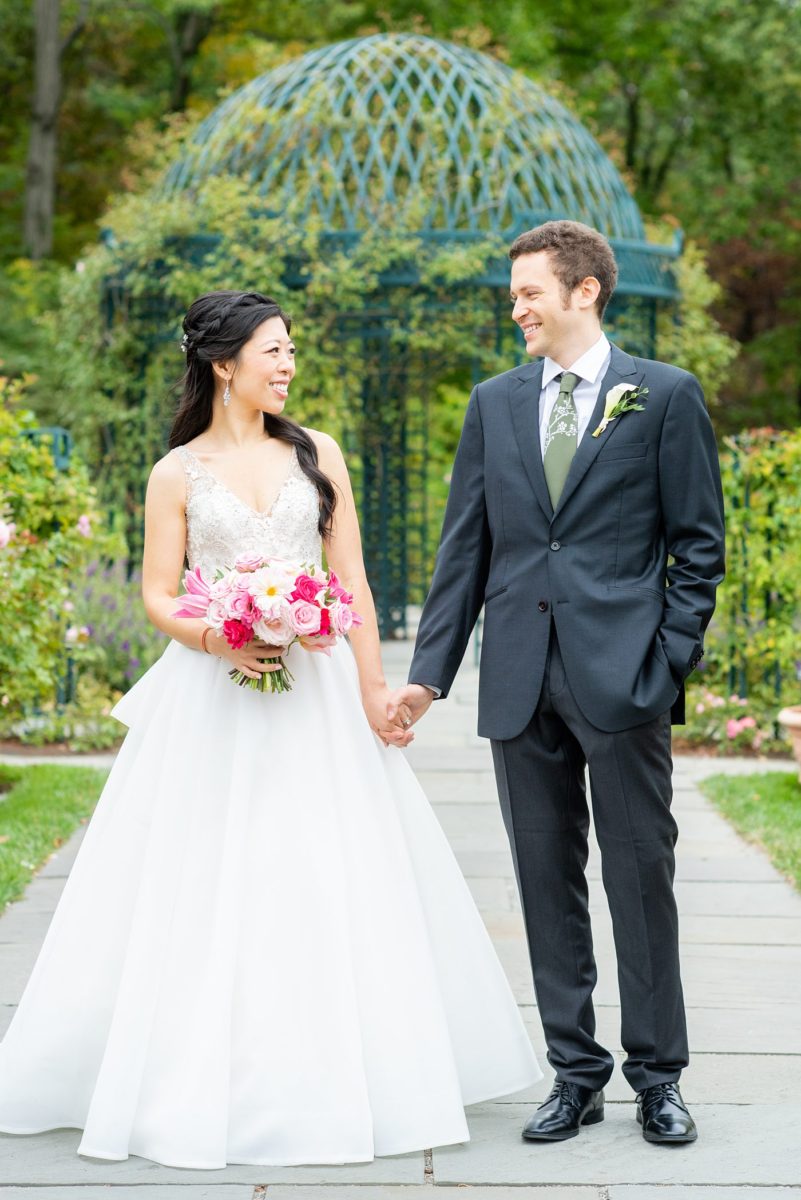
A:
<point x="698" y="102"/>
<point x="753" y="644"/>
<point x="55" y="526"/>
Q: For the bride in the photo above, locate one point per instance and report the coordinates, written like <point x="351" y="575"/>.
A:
<point x="265" y="952"/>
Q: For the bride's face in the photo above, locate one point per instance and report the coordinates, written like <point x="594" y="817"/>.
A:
<point x="265" y="368"/>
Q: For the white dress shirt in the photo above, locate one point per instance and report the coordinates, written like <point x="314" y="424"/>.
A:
<point x="590" y="368"/>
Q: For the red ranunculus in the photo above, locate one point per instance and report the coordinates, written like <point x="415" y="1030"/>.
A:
<point x="325" y="622"/>
<point x="237" y="633"/>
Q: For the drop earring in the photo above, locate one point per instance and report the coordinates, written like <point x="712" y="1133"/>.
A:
<point x="227" y="393"/>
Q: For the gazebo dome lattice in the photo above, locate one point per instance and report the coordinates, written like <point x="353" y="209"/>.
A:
<point x="404" y="134"/>
<point x="376" y="123"/>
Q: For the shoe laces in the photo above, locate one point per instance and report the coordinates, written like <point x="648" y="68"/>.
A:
<point x="565" y="1093"/>
<point x="659" y="1091"/>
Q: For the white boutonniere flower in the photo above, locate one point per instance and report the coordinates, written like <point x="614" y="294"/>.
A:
<point x="620" y="399"/>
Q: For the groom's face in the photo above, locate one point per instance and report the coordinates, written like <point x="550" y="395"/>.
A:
<point x="547" y="317"/>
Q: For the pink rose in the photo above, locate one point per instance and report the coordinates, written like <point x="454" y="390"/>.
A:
<point x="222" y="588"/>
<point x="248" y="562"/>
<point x="84" y="526"/>
<point x="341" y="619"/>
<point x="216" y="614"/>
<point x="241" y="608"/>
<point x="747" y="723"/>
<point x="305" y="617"/>
<point x="237" y="634"/>
<point x="275" y="624"/>
<point x="306" y="588"/>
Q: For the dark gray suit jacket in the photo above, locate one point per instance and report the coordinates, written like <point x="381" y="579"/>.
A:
<point x="630" y="626"/>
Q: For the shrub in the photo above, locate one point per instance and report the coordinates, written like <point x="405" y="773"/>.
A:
<point x="108" y="606"/>
<point x="753" y="646"/>
<point x="729" y="723"/>
<point x="49" y="529"/>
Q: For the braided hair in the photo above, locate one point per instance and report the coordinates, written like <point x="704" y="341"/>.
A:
<point x="216" y="327"/>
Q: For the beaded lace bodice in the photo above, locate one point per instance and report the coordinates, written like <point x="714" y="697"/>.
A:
<point x="219" y="525"/>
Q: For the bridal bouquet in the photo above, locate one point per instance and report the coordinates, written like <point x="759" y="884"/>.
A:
<point x="273" y="600"/>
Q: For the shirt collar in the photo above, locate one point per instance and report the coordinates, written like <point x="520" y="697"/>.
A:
<point x="588" y="367"/>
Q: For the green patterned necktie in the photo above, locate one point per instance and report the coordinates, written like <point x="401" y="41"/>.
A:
<point x="561" y="438"/>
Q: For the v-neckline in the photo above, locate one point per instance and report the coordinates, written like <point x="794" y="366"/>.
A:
<point x="244" y="504"/>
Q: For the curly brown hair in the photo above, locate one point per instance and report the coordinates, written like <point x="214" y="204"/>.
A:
<point x="576" y="251"/>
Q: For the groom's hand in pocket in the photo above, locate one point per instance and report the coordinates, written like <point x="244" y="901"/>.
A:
<point x="413" y="697"/>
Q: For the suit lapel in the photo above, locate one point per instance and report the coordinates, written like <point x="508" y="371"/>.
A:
<point x="524" y="401"/>
<point x="622" y="369"/>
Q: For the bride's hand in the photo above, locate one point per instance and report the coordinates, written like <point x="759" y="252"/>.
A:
<point x="247" y="658"/>
<point x="392" y="733"/>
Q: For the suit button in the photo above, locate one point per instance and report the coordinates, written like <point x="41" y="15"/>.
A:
<point x="543" y="606"/>
<point x="556" y="545"/>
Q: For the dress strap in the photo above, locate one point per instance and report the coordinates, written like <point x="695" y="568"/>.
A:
<point x="192" y="469"/>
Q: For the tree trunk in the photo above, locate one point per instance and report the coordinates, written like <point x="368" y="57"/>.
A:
<point x="40" y="184"/>
<point x="40" y="179"/>
<point x="185" y="38"/>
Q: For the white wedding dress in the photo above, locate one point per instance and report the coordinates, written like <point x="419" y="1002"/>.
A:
<point x="265" y="952"/>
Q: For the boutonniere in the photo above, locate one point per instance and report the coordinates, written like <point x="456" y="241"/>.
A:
<point x="620" y="399"/>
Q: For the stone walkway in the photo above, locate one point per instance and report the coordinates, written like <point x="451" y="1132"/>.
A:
<point x="741" y="932"/>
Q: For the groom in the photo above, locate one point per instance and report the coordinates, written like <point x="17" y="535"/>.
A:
<point x="562" y="514"/>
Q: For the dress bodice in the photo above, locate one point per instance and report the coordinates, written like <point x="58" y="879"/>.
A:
<point x="220" y="526"/>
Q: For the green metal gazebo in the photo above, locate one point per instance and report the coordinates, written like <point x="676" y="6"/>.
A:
<point x="456" y="147"/>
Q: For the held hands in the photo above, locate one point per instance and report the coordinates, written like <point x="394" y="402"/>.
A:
<point x="395" y="732"/>
<point x="412" y="701"/>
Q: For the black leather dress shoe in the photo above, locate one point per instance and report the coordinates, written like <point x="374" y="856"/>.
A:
<point x="663" y="1115"/>
<point x="568" y="1107"/>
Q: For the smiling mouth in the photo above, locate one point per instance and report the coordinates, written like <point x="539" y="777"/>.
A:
<point x="531" y="327"/>
<point x="281" y="388"/>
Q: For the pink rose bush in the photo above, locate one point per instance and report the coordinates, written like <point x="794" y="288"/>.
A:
<point x="272" y="600"/>
<point x="716" y="718"/>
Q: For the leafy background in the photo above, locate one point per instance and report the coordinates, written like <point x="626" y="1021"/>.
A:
<point x="698" y="104"/>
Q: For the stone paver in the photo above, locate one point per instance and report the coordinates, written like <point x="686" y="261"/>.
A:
<point x="46" y="1159"/>
<point x="206" y="1191"/>
<point x="741" y="953"/>
<point x="637" y="1192"/>
<point x="740" y="1144"/>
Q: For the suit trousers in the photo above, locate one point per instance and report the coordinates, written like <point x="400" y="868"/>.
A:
<point x="541" y="784"/>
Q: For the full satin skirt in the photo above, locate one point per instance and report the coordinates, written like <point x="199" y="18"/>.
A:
<point x="265" y="952"/>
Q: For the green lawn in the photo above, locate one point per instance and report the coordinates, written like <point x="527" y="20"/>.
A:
<point x="765" y="809"/>
<point x="40" y="807"/>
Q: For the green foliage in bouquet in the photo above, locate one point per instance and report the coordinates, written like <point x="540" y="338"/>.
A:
<point x="51" y="527"/>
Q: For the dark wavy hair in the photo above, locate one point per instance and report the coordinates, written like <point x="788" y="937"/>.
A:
<point x="216" y="328"/>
